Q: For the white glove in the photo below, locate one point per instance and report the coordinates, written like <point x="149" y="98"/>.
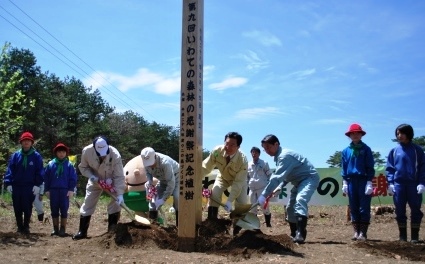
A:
<point x="391" y="190"/>
<point x="344" y="187"/>
<point x="9" y="188"/>
<point x="158" y="203"/>
<point x="35" y="190"/>
<point x="70" y="194"/>
<point x="147" y="185"/>
<point x="120" y="199"/>
<point x="262" y="201"/>
<point x="94" y="179"/>
<point x="228" y="206"/>
<point x="369" y="188"/>
<point x="420" y="188"/>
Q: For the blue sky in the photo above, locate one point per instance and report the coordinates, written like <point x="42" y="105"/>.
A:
<point x="302" y="70"/>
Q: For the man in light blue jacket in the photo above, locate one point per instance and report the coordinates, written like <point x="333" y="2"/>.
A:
<point x="296" y="169"/>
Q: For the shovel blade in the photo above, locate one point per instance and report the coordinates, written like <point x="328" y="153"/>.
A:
<point x="240" y="210"/>
<point x="142" y="220"/>
<point x="249" y="222"/>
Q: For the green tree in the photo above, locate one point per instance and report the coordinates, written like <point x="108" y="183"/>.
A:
<point x="13" y="104"/>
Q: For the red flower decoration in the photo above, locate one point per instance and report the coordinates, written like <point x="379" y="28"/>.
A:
<point x="107" y="185"/>
<point x="152" y="192"/>
<point x="206" y="193"/>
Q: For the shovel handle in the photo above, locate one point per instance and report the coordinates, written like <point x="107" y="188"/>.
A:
<point x="214" y="200"/>
<point x="266" y="204"/>
<point x="122" y="204"/>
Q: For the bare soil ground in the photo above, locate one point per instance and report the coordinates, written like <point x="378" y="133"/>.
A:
<point x="329" y="240"/>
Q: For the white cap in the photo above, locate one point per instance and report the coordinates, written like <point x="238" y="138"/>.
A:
<point x="148" y="156"/>
<point x="101" y="147"/>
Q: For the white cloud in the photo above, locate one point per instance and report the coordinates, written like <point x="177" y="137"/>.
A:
<point x="231" y="82"/>
<point x="254" y="61"/>
<point x="264" y="38"/>
<point x="143" y="78"/>
<point x="299" y="75"/>
<point x="251" y="113"/>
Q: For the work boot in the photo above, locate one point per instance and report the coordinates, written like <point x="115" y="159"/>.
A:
<point x="402" y="229"/>
<point x="356" y="227"/>
<point x="153" y="215"/>
<point x="62" y="230"/>
<point x="268" y="219"/>
<point x="236" y="229"/>
<point x="363" y="231"/>
<point x="55" y="231"/>
<point x="40" y="217"/>
<point x="414" y="232"/>
<point x="301" y="233"/>
<point x="27" y="219"/>
<point x="84" y="226"/>
<point x="113" y="221"/>
<point x="177" y="218"/>
<point x="293" y="227"/>
<point x="212" y="212"/>
<point x="19" y="223"/>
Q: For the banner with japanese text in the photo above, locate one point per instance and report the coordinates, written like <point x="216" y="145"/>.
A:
<point x="329" y="191"/>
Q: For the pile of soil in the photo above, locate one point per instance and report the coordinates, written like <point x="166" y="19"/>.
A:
<point x="213" y="238"/>
<point x="329" y="240"/>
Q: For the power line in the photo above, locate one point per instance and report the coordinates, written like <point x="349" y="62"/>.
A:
<point x="113" y="95"/>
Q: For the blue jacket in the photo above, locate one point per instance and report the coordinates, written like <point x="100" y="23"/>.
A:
<point x="67" y="180"/>
<point x="19" y="175"/>
<point x="360" y="166"/>
<point x="406" y="165"/>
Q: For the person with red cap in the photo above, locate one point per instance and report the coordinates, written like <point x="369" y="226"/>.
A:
<point x="101" y="163"/>
<point x="357" y="172"/>
<point x="23" y="178"/>
<point x="60" y="179"/>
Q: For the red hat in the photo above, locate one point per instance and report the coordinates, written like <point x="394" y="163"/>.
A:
<point x="60" y="146"/>
<point x="355" y="128"/>
<point x="26" y="135"/>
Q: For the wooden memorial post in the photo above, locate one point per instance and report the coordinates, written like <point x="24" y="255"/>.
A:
<point x="190" y="144"/>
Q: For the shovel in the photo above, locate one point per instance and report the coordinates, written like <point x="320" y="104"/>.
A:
<point x="248" y="221"/>
<point x="133" y="216"/>
<point x="243" y="209"/>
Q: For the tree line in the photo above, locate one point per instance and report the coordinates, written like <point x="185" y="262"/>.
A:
<point x="56" y="110"/>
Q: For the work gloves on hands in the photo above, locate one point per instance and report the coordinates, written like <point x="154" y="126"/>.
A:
<point x="35" y="190"/>
<point x="70" y="194"/>
<point x="420" y="188"/>
<point x="120" y="199"/>
<point x="391" y="190"/>
<point x="279" y="188"/>
<point x="228" y="206"/>
<point x="344" y="187"/>
<point x="148" y="185"/>
<point x="369" y="188"/>
<point x="9" y="188"/>
<point x="262" y="201"/>
<point x="158" y="203"/>
<point x="94" y="179"/>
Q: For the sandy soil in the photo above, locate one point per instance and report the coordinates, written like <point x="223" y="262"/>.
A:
<point x="329" y="240"/>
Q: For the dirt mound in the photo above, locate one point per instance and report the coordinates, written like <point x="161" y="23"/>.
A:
<point x="213" y="238"/>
